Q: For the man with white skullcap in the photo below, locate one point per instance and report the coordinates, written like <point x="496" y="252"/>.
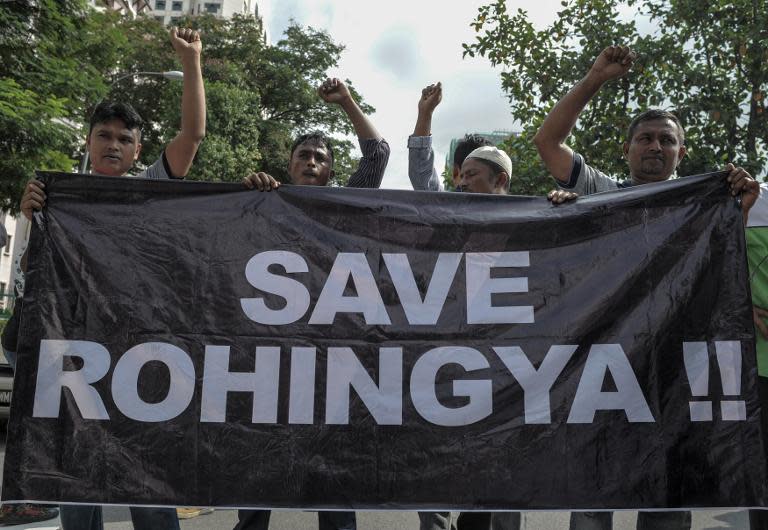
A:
<point x="487" y="169"/>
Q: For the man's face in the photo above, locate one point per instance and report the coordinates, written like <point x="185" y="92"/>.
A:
<point x="476" y="177"/>
<point x="113" y="148"/>
<point x="310" y="165"/>
<point x="655" y="151"/>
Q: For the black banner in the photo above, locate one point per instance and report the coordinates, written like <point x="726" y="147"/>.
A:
<point x="200" y="344"/>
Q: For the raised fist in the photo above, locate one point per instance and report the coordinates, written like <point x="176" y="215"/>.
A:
<point x="186" y="42"/>
<point x="334" y="91"/>
<point x="612" y="63"/>
<point x="430" y="98"/>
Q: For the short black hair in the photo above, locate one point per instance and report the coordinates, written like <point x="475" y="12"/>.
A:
<point x="653" y="115"/>
<point x="313" y="138"/>
<point x="110" y="110"/>
<point x="466" y="145"/>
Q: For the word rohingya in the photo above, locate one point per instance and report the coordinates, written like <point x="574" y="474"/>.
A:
<point x="344" y="372"/>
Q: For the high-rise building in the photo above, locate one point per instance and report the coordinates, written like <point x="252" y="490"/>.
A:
<point x="132" y="7"/>
<point x="170" y="11"/>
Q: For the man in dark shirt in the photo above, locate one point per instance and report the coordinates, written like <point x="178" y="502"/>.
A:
<point x="311" y="164"/>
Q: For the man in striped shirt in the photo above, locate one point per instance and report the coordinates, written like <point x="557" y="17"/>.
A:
<point x="311" y="164"/>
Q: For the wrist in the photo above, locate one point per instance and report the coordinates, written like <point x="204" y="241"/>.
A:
<point x="190" y="59"/>
<point x="425" y="114"/>
<point x="348" y="103"/>
<point x="594" y="82"/>
<point x="423" y="126"/>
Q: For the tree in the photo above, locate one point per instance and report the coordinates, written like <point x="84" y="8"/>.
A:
<point x="50" y="61"/>
<point x="259" y="97"/>
<point x="694" y="63"/>
<point x="60" y="58"/>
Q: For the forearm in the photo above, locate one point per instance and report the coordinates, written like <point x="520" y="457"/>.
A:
<point x="423" y="124"/>
<point x="193" y="100"/>
<point x="362" y="125"/>
<point x="551" y="136"/>
<point x="562" y="118"/>
<point x="180" y="152"/>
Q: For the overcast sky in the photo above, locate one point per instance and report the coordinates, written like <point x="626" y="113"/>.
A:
<point x="397" y="47"/>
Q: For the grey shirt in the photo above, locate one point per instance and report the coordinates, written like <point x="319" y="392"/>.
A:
<point x="421" y="164"/>
<point x="586" y="180"/>
<point x="157" y="171"/>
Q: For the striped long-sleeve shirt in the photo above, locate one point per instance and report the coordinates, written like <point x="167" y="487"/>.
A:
<point x="370" y="171"/>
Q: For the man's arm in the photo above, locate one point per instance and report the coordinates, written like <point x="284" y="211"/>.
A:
<point x="180" y="152"/>
<point x="375" y="149"/>
<point x="431" y="97"/>
<point x="613" y="62"/>
<point x="421" y="157"/>
<point x="335" y="91"/>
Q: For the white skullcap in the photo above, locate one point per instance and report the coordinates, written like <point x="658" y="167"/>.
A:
<point x="495" y="155"/>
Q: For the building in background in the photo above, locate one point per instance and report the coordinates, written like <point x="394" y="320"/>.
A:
<point x="170" y="11"/>
<point x="131" y="7"/>
<point x="495" y="137"/>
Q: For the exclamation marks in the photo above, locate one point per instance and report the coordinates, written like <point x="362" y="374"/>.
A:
<point x="729" y="361"/>
<point x="696" y="359"/>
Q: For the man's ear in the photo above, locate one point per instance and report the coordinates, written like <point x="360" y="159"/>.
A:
<point x="136" y="154"/>
<point x="88" y="143"/>
<point x="681" y="154"/>
<point x="455" y="174"/>
<point x="625" y="149"/>
<point x="502" y="181"/>
<point x="333" y="174"/>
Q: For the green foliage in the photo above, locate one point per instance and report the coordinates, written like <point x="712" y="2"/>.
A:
<point x="447" y="178"/>
<point x="43" y="81"/>
<point x="259" y="97"/>
<point x="59" y="59"/>
<point x="527" y="168"/>
<point x="695" y="64"/>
